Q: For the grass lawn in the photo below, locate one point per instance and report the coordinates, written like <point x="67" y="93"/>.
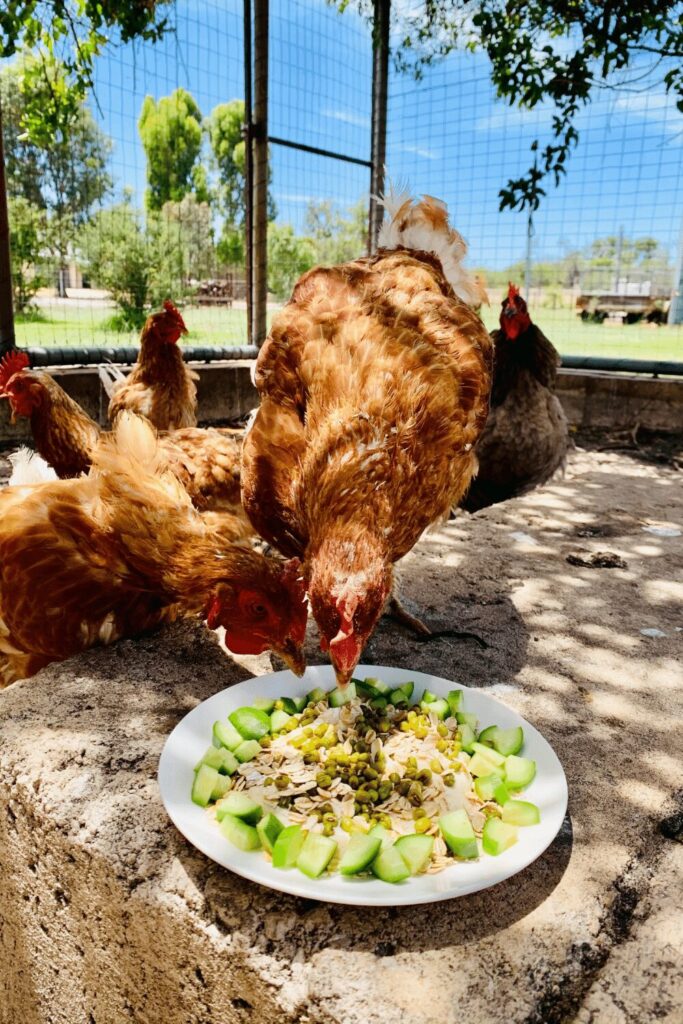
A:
<point x="82" y="327"/>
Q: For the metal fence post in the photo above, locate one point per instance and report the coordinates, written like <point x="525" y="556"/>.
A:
<point x="260" y="172"/>
<point x="380" y="91"/>
<point x="247" y="134"/>
<point x="6" y="310"/>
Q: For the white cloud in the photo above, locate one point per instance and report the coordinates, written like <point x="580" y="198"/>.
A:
<point x="347" y="117"/>
<point x="297" y="197"/>
<point x="426" y="154"/>
<point x="510" y="117"/>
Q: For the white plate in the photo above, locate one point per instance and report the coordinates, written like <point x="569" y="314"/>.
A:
<point x="190" y="738"/>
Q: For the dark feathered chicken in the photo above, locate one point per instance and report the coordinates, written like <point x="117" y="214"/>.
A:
<point x="525" y="438"/>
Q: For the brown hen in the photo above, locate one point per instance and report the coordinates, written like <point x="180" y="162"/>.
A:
<point x="113" y="554"/>
<point x="374" y="385"/>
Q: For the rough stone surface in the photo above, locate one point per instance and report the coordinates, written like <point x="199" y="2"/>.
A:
<point x="108" y="915"/>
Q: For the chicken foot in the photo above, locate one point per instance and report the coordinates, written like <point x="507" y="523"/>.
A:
<point x="423" y="633"/>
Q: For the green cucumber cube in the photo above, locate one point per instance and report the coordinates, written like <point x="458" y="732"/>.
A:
<point x="390" y="866"/>
<point x="316" y="695"/>
<point x="454" y="698"/>
<point x="428" y="697"/>
<point x="241" y="835"/>
<point x="398" y="697"/>
<point x="491" y="755"/>
<point x="486" y="735"/>
<point x="264" y="704"/>
<point x="467" y="737"/>
<point x="521" y="812"/>
<point x="492" y="787"/>
<point x="416" y="851"/>
<point x="379" y="832"/>
<point x="223" y="784"/>
<point x="315" y="854"/>
<point x="278" y="720"/>
<point x="379" y="685"/>
<point x="480" y="765"/>
<point x="220" y="758"/>
<point x="287" y="846"/>
<point x="269" y="828"/>
<point x="239" y="805"/>
<point x="498" y="836"/>
<point x="247" y="750"/>
<point x="519" y="771"/>
<point x="509" y="741"/>
<point x="204" y="784"/>
<point x="251" y="723"/>
<point x="438" y="707"/>
<point x="359" y="853"/>
<point x="365" y="689"/>
<point x="226" y="735"/>
<point x="339" y="697"/>
<point x="467" y="718"/>
<point x="378" y="703"/>
<point x="456" y="828"/>
<point x="300" y="703"/>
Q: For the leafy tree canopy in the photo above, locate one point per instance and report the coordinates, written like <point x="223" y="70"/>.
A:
<point x="289" y="256"/>
<point x="229" y="155"/>
<point x="171" y="134"/>
<point x="26" y="241"/>
<point x="556" y="51"/>
<point x="337" y="236"/>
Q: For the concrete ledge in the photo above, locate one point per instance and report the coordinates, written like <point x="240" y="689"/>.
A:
<point x="107" y="915"/>
<point x="227" y="393"/>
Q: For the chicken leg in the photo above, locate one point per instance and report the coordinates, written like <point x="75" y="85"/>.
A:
<point x="423" y="633"/>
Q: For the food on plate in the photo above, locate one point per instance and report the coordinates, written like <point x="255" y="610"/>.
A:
<point x="367" y="780"/>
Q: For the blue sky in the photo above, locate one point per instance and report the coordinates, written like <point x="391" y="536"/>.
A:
<point x="448" y="135"/>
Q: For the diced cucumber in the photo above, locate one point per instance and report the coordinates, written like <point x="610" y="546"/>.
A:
<point x="287" y="846"/>
<point x="491" y="755"/>
<point x="379" y="832"/>
<point x="467" y="718"/>
<point x="378" y="703"/>
<point x="379" y="685"/>
<point x="285" y="704"/>
<point x="339" y="697"/>
<point x="241" y="835"/>
<point x="519" y="771"/>
<point x="220" y="758"/>
<point x="438" y="707"/>
<point x="416" y="851"/>
<point x="316" y="695"/>
<point x="359" y="853"/>
<point x="486" y="735"/>
<point x="264" y="704"/>
<point x="492" y="787"/>
<point x="269" y="828"/>
<point x="251" y="723"/>
<point x="454" y="698"/>
<point x="407" y="688"/>
<point x="300" y="702"/>
<point x="226" y="735"/>
<point x="247" y="750"/>
<point x="467" y="737"/>
<point x="428" y="697"/>
<point x="204" y="784"/>
<point x="315" y="854"/>
<point x="497" y="836"/>
<point x="278" y="720"/>
<point x="456" y="828"/>
<point x="504" y="741"/>
<point x="239" y="805"/>
<point x="397" y="697"/>
<point x="521" y="812"/>
<point x="390" y="866"/>
<point x="223" y="784"/>
<point x="480" y="765"/>
<point x="365" y="689"/>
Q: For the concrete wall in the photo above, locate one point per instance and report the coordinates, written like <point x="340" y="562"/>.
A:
<point x="226" y="393"/>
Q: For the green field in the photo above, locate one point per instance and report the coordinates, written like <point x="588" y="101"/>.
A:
<point x="81" y="327"/>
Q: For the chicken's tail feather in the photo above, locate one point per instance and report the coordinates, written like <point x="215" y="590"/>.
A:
<point x="28" y="468"/>
<point x="423" y="225"/>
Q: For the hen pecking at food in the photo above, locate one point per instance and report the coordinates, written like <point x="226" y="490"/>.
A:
<point x="160" y="385"/>
<point x="526" y="437"/>
<point x="374" y="385"/>
<point x="205" y="460"/>
<point x="115" y="553"/>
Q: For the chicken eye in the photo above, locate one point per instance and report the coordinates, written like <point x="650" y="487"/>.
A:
<point x="259" y="611"/>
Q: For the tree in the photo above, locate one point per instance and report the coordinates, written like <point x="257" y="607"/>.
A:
<point x="546" y="51"/>
<point x="27" y="232"/>
<point x="229" y="155"/>
<point x="115" y="251"/>
<point x="185" y="229"/>
<point x="337" y="238"/>
<point x="171" y="134"/>
<point x="65" y="174"/>
<point x="78" y="30"/>
<point x="289" y="256"/>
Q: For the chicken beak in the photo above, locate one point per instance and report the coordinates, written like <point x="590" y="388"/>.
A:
<point x="345" y="652"/>
<point x="293" y="656"/>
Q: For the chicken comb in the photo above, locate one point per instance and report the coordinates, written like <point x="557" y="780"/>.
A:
<point x="513" y="291"/>
<point x="11" y="363"/>
<point x="174" y="313"/>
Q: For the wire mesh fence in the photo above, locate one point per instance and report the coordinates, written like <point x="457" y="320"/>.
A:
<point x="147" y="197"/>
